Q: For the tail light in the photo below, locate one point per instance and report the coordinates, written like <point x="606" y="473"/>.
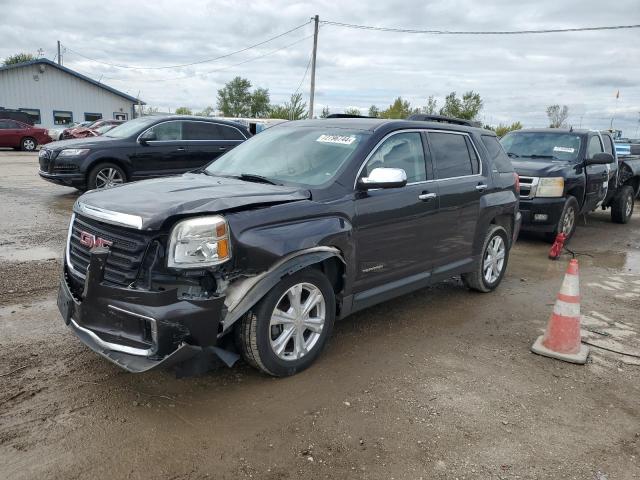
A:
<point x="516" y="177"/>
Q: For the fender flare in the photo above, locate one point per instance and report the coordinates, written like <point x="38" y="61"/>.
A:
<point x="244" y="294"/>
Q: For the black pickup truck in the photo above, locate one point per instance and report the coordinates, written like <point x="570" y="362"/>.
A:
<point x="304" y="223"/>
<point x="568" y="172"/>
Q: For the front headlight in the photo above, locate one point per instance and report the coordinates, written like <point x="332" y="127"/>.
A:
<point x="550" y="187"/>
<point x="72" y="152"/>
<point x="199" y="242"/>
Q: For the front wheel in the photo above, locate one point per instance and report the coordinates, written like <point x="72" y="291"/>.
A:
<point x="286" y="331"/>
<point x="622" y="205"/>
<point x="492" y="263"/>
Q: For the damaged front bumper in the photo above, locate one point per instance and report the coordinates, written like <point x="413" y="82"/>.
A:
<point x="141" y="330"/>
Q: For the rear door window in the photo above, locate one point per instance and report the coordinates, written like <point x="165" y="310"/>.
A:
<point x="499" y="158"/>
<point x="202" y="131"/>
<point x="451" y="155"/>
<point x="231" y="133"/>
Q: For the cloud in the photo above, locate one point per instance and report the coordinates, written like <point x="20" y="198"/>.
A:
<point x="517" y="76"/>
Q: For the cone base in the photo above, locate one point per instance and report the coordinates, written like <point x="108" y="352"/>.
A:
<point x="579" y="358"/>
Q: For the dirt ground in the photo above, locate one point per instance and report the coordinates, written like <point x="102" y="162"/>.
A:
<point x="436" y="384"/>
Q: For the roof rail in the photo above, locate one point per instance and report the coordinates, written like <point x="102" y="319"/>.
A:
<point x="346" y="115"/>
<point x="422" y="117"/>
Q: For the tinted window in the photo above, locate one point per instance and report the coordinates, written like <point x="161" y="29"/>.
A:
<point x="403" y="150"/>
<point x="168" y="131"/>
<point x="202" y="131"/>
<point x="498" y="157"/>
<point x="475" y="161"/>
<point x="594" y="146"/>
<point x="4" y="125"/>
<point x="231" y="133"/>
<point x="451" y="155"/>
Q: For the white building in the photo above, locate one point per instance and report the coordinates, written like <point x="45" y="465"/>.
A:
<point x="54" y="95"/>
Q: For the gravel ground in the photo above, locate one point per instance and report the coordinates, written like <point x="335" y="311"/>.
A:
<point x="436" y="384"/>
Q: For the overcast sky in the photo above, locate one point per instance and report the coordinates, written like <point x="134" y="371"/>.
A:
<point x="517" y="76"/>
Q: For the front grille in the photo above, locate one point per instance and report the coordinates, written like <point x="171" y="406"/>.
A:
<point x="126" y="251"/>
<point x="528" y="186"/>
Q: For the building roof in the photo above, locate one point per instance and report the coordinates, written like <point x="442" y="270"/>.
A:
<point x="44" y="61"/>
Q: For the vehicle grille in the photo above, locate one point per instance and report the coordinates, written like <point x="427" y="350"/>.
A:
<point x="127" y="250"/>
<point x="528" y="186"/>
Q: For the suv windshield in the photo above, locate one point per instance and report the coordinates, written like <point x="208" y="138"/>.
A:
<point x="131" y="127"/>
<point x="304" y="156"/>
<point x="542" y="145"/>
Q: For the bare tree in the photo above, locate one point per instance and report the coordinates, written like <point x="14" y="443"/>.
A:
<point x="557" y="115"/>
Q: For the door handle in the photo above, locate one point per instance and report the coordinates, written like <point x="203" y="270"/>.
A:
<point x="481" y="187"/>
<point x="181" y="149"/>
<point x="222" y="149"/>
<point x="425" y="197"/>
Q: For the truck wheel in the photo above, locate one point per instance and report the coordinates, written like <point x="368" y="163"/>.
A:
<point x="622" y="205"/>
<point x="286" y="331"/>
<point x="492" y="263"/>
<point x="105" y="175"/>
<point x="28" y="144"/>
<point x="568" y="220"/>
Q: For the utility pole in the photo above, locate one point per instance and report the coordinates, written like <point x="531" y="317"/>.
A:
<point x="316" y="20"/>
<point x="59" y="54"/>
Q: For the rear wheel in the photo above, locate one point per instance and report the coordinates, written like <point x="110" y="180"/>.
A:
<point x="492" y="263"/>
<point x="28" y="144"/>
<point x="622" y="205"/>
<point x="106" y="175"/>
<point x="286" y="331"/>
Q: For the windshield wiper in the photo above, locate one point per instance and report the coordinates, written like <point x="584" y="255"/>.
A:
<point x="250" y="177"/>
<point x="513" y="155"/>
<point x="539" y="156"/>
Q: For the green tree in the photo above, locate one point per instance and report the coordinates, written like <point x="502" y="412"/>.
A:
<point x="374" y="111"/>
<point x="501" y="130"/>
<point x="294" y="109"/>
<point x="183" y="111"/>
<point x="431" y="108"/>
<point x="467" y="107"/>
<point x="325" y="112"/>
<point x="234" y="99"/>
<point x="398" y="109"/>
<point x="18" y="58"/>
<point x="206" y="112"/>
<point x="260" y="103"/>
<point x="557" y="115"/>
<point x="352" y="111"/>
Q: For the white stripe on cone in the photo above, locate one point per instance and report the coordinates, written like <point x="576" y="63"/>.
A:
<point x="566" y="309"/>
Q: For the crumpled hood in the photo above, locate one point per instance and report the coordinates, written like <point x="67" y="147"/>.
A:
<point x="539" y="167"/>
<point x="153" y="201"/>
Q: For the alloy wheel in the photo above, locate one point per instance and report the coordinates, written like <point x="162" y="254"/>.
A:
<point x="108" y="177"/>
<point x="297" y="321"/>
<point x="493" y="262"/>
<point x="629" y="209"/>
<point x="568" y="221"/>
<point x="29" y="145"/>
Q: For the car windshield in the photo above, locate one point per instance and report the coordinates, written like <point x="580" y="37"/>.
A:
<point x="542" y="145"/>
<point x="300" y="156"/>
<point x="131" y="127"/>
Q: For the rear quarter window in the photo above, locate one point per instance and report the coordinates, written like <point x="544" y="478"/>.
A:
<point x="497" y="155"/>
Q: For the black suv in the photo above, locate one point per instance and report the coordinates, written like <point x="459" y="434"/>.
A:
<point x="304" y="223"/>
<point x="568" y="172"/>
<point x="146" y="147"/>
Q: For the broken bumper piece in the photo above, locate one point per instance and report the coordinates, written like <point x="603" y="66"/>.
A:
<point x="141" y="330"/>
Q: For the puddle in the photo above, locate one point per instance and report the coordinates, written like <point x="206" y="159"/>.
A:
<point x="628" y="261"/>
<point x="31" y="254"/>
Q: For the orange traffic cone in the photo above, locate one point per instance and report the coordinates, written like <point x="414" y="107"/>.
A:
<point x="562" y="337"/>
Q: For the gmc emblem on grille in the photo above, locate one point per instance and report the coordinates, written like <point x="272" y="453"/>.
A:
<point x="89" y="240"/>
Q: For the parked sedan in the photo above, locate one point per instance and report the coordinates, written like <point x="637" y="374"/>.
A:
<point x="146" y="147"/>
<point x="15" y="134"/>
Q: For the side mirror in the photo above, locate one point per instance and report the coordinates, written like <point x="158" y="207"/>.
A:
<point x="384" y="178"/>
<point x="148" y="136"/>
<point x="602" y="158"/>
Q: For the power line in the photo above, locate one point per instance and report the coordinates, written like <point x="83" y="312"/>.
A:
<point x="303" y="76"/>
<point x="476" y="32"/>
<point x="192" y="63"/>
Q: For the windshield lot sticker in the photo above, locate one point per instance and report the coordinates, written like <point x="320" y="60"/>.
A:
<point x="564" y="149"/>
<point x="341" y="139"/>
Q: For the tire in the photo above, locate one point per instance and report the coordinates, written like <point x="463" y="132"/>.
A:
<point x="480" y="281"/>
<point x="99" y="176"/>
<point x="568" y="221"/>
<point x="259" y="333"/>
<point x="622" y="205"/>
<point x="28" y="144"/>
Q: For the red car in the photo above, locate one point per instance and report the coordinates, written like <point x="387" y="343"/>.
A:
<point x="82" y="132"/>
<point x="15" y="134"/>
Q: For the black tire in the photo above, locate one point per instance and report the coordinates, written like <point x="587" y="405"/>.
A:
<point x="94" y="179"/>
<point x="476" y="279"/>
<point x="569" y="214"/>
<point x="28" y="144"/>
<point x="254" y="332"/>
<point x="622" y="205"/>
